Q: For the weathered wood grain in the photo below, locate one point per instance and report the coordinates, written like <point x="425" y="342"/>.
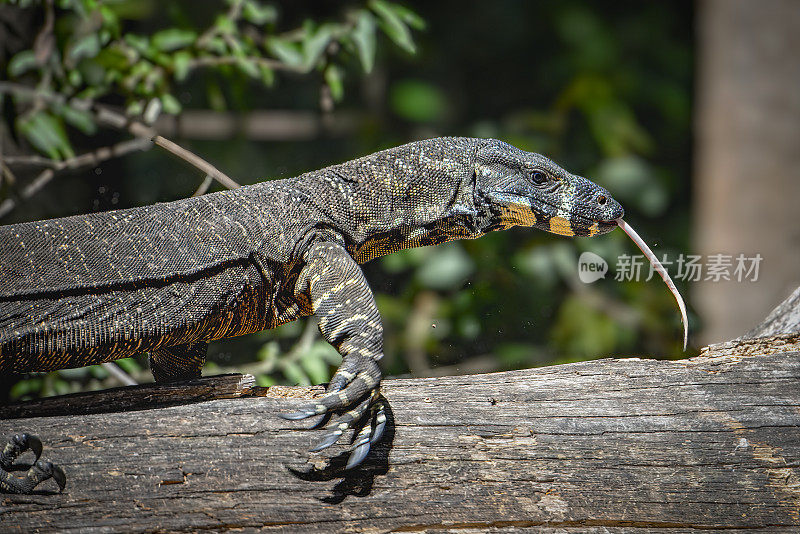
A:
<point x="603" y="446"/>
<point x="778" y="332"/>
<point x="136" y="397"/>
<point x="783" y="320"/>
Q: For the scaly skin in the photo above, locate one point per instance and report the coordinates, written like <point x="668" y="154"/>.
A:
<point x="169" y="278"/>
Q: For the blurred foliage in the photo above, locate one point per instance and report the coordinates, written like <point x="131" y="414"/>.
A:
<point x="85" y="52"/>
<point x="603" y="88"/>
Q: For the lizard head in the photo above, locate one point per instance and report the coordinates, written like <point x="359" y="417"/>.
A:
<point x="526" y="189"/>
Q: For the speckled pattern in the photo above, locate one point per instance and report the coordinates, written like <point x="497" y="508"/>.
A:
<point x="169" y="278"/>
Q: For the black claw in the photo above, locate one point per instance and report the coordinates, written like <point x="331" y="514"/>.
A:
<point x="358" y="455"/>
<point x="42" y="470"/>
<point x="300" y="414"/>
<point x="378" y="432"/>
<point x="38" y="472"/>
<point x="329" y="439"/>
<point x="34" y="443"/>
<point x="60" y="477"/>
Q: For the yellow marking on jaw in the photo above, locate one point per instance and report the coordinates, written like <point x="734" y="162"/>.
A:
<point x="560" y="226"/>
<point x="593" y="229"/>
<point x="519" y="214"/>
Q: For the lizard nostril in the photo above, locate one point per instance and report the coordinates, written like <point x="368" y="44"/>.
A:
<point x="602" y="200"/>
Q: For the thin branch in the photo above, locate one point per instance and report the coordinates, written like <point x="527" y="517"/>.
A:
<point x="117" y="372"/>
<point x="196" y="160"/>
<point x="233" y="14"/>
<point x="109" y="117"/>
<point x="38" y="161"/>
<point x="215" y="61"/>
<point x="103" y="114"/>
<point x="7" y="174"/>
<point x="33" y="94"/>
<point x="94" y="157"/>
<point x="203" y="186"/>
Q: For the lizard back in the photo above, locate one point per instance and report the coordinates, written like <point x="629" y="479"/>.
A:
<point x="132" y="246"/>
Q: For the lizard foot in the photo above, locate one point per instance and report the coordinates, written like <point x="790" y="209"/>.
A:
<point x="40" y="471"/>
<point x="367" y="418"/>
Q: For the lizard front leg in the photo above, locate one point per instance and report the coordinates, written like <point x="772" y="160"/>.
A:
<point x="348" y="320"/>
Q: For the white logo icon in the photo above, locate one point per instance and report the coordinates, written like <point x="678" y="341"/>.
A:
<point x="591" y="267"/>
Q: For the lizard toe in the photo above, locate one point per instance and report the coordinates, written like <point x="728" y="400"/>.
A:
<point x="380" y="423"/>
<point x="345" y="422"/>
<point x="60" y="477"/>
<point x="298" y="415"/>
<point x="370" y="433"/>
<point x="359" y="453"/>
<point x="33" y="443"/>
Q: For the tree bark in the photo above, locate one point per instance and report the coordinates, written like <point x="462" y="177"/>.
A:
<point x="707" y="443"/>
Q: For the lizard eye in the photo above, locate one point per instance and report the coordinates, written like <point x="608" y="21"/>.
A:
<point x="539" y="177"/>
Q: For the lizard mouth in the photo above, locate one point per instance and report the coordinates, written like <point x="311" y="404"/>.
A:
<point x="539" y="212"/>
<point x="606" y="224"/>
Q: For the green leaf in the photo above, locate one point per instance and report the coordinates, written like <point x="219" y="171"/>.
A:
<point x="364" y="38"/>
<point x="93" y="73"/>
<point x="134" y="108"/>
<point x="97" y="371"/>
<point x="75" y="78"/>
<point x="182" y="64"/>
<point x="237" y="47"/>
<point x="173" y="39"/>
<point x="294" y="373"/>
<point x="253" y="11"/>
<point x="170" y="104"/>
<point x="110" y="19"/>
<point x="408" y="16"/>
<point x="80" y="119"/>
<point x="217" y="45"/>
<point x="265" y="381"/>
<point x="285" y="51"/>
<point x="21" y="63"/>
<point x="393" y="25"/>
<point x="248" y="66"/>
<point x="87" y="46"/>
<point x="140" y="43"/>
<point x="314" y="45"/>
<point x="129" y="365"/>
<point x="25" y="387"/>
<point x="333" y="77"/>
<point x="112" y="58"/>
<point x="315" y="367"/>
<point x="267" y="74"/>
<point x="90" y="93"/>
<point x="269" y="351"/>
<point x="46" y="133"/>
<point x="80" y="373"/>
<point x="216" y="98"/>
<point x="418" y="101"/>
<point x="224" y="24"/>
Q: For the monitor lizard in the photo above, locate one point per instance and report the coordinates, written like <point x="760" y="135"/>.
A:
<point x="167" y="279"/>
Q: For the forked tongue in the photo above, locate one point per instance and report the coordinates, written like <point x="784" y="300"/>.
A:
<point x="662" y="271"/>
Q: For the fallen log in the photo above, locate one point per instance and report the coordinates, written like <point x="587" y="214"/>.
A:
<point x="711" y="442"/>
